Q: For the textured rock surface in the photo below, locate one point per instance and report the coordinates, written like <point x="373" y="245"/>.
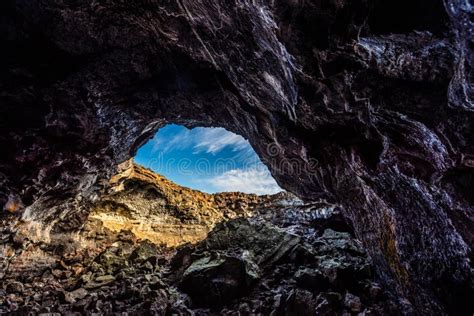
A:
<point x="284" y="259"/>
<point x="379" y="93"/>
<point x="154" y="208"/>
<point x="258" y="268"/>
<point x="243" y="266"/>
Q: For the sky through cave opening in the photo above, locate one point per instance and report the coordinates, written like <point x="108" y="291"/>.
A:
<point x="207" y="159"/>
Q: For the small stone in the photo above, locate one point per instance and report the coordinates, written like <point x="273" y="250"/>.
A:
<point x="375" y="290"/>
<point x="15" y="299"/>
<point x="333" y="297"/>
<point x="148" y="266"/>
<point x="353" y="303"/>
<point x="312" y="279"/>
<point x="105" y="278"/>
<point x="99" y="282"/>
<point x="57" y="273"/>
<point x="14" y="287"/>
<point x="244" y="308"/>
<point x="323" y="307"/>
<point x="277" y="302"/>
<point x="144" y="251"/>
<point x="74" y="296"/>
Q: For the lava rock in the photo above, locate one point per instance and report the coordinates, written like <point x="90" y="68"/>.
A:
<point x="312" y="279"/>
<point x="144" y="251"/>
<point x="353" y="303"/>
<point x="74" y="296"/>
<point x="215" y="280"/>
<point x="364" y="103"/>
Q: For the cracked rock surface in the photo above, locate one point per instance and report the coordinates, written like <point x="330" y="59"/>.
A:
<point x="366" y="103"/>
<point x="256" y="265"/>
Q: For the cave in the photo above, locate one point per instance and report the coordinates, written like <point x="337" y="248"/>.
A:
<point x="206" y="159"/>
<point x="362" y="111"/>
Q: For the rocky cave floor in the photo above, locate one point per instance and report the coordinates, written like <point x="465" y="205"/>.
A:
<point x="270" y="255"/>
<point x="368" y="104"/>
<point x="244" y="266"/>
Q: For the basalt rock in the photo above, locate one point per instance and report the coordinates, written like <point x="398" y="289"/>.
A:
<point x="273" y="261"/>
<point x="365" y="103"/>
<point x="257" y="267"/>
<point x="154" y="208"/>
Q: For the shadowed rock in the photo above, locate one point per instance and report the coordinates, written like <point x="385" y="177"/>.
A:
<point x="366" y="103"/>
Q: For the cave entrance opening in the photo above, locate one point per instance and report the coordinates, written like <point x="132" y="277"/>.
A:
<point x="183" y="182"/>
<point x="207" y="159"/>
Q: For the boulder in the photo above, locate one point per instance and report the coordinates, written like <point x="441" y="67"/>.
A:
<point x="111" y="261"/>
<point x="144" y="251"/>
<point x="353" y="303"/>
<point x="217" y="279"/>
<point x="99" y="282"/>
<point x="74" y="296"/>
<point x="14" y="287"/>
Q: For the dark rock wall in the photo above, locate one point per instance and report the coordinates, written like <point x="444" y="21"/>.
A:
<point x="366" y="103"/>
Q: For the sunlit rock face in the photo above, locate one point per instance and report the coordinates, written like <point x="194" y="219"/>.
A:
<point x="154" y="208"/>
<point x="377" y="93"/>
<point x="262" y="255"/>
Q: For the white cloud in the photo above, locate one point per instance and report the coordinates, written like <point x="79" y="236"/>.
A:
<point x="179" y="140"/>
<point x="213" y="140"/>
<point x="245" y="173"/>
<point x="202" y="139"/>
<point x="258" y="181"/>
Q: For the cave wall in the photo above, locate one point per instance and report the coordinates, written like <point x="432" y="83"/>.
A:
<point x="365" y="103"/>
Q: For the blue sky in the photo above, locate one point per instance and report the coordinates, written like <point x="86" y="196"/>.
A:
<point x="207" y="159"/>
